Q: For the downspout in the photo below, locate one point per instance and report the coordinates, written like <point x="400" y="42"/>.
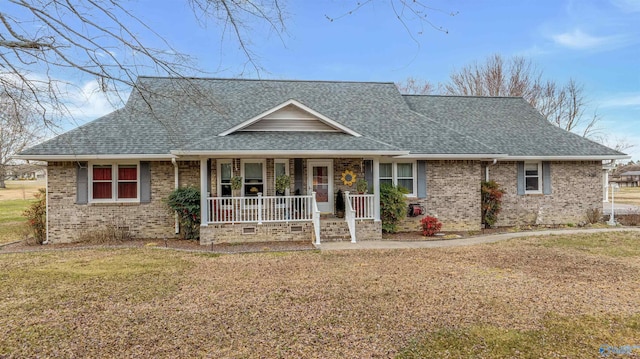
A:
<point x="176" y="185"/>
<point x="46" y="204"/>
<point x="486" y="170"/>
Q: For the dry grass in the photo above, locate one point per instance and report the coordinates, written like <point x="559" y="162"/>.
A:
<point x="20" y="190"/>
<point x="627" y="195"/>
<point x="574" y="294"/>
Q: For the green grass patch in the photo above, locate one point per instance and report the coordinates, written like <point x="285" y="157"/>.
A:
<point x="13" y="225"/>
<point x="576" y="337"/>
<point x="613" y="244"/>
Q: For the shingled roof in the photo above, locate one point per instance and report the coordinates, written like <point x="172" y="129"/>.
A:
<point x="181" y="116"/>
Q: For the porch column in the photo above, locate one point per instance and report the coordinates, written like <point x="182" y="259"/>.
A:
<point x="203" y="192"/>
<point x="376" y="189"/>
<point x="605" y="187"/>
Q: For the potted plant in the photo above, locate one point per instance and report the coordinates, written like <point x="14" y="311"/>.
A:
<point x="362" y="186"/>
<point x="236" y="184"/>
<point x="340" y="204"/>
<point x="283" y="182"/>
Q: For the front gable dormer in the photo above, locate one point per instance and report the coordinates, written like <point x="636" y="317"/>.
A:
<point x="290" y="116"/>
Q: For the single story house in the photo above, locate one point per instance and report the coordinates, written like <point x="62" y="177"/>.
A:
<point x="627" y="179"/>
<point x="323" y="135"/>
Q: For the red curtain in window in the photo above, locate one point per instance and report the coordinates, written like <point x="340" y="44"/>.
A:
<point x="102" y="190"/>
<point x="127" y="173"/>
<point x="127" y="190"/>
<point x="102" y="173"/>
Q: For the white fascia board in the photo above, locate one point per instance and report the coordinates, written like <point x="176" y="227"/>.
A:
<point x="565" y="158"/>
<point x="456" y="156"/>
<point x="95" y="157"/>
<point x="287" y="153"/>
<point x="322" y="118"/>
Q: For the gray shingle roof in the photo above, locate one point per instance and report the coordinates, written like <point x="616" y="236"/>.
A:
<point x="508" y="124"/>
<point x="170" y="114"/>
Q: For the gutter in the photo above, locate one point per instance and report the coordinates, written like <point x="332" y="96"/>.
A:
<point x="139" y="156"/>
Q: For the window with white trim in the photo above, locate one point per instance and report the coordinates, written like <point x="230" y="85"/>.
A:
<point x="224" y="174"/>
<point x="253" y="175"/>
<point x="533" y="177"/>
<point x="402" y="174"/>
<point x="280" y="167"/>
<point x="114" y="182"/>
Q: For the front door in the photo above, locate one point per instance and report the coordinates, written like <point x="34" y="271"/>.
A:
<point x="320" y="179"/>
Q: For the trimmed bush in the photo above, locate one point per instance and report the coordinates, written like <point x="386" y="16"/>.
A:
<point x="186" y="202"/>
<point x="393" y="207"/>
<point x="430" y="226"/>
<point x="491" y="202"/>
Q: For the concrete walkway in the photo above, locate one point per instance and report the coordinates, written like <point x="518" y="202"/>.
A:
<point x="619" y="208"/>
<point x="337" y="246"/>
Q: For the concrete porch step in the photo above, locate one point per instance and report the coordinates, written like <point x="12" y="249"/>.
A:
<point x="334" y="229"/>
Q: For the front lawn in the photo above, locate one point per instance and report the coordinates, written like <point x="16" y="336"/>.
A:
<point x="558" y="296"/>
<point x="13" y="226"/>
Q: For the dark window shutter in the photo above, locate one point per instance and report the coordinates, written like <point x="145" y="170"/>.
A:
<point x="298" y="174"/>
<point x="521" y="182"/>
<point x="546" y="177"/>
<point x="145" y="182"/>
<point x="422" y="179"/>
<point x="82" y="183"/>
<point x="368" y="174"/>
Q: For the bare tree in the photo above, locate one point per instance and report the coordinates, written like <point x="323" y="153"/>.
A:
<point x="413" y="86"/>
<point x="41" y="40"/>
<point x="18" y="127"/>
<point x="562" y="105"/>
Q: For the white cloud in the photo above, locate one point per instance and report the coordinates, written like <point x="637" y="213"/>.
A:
<point x="623" y="100"/>
<point x="577" y="39"/>
<point x="627" y="5"/>
<point x="88" y="102"/>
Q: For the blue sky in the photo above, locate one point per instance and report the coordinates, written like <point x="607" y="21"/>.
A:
<point x="595" y="42"/>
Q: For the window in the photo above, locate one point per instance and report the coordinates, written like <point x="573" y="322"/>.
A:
<point x="533" y="177"/>
<point x="225" y="172"/>
<point x="114" y="182"/>
<point x="280" y="167"/>
<point x="402" y="174"/>
<point x="253" y="178"/>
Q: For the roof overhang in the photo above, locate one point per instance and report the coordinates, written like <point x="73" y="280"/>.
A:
<point x="289" y="153"/>
<point x="455" y="156"/>
<point x="95" y="157"/>
<point x="566" y="158"/>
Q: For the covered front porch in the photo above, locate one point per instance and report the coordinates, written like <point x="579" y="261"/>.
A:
<point x="245" y="201"/>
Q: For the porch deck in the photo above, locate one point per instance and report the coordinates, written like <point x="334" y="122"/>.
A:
<point x="284" y="216"/>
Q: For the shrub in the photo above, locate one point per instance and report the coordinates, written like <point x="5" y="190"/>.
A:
<point x="109" y="233"/>
<point x="37" y="216"/>
<point x="430" y="226"/>
<point x="491" y="202"/>
<point x="594" y="215"/>
<point x="393" y="207"/>
<point x="186" y="202"/>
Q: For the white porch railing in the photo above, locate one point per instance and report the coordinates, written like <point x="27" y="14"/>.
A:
<point x="350" y="216"/>
<point x="260" y="209"/>
<point x="316" y="217"/>
<point x="362" y="204"/>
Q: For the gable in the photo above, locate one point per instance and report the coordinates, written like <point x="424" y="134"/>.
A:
<point x="290" y="116"/>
